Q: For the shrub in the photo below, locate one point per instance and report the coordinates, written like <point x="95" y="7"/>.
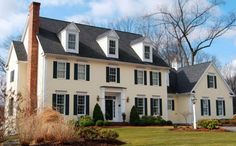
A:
<point x="134" y="116"/>
<point x="107" y="123"/>
<point x="73" y="122"/>
<point x="89" y="133"/>
<point x="86" y="121"/>
<point x="169" y="123"/>
<point x="99" y="123"/>
<point x="147" y="120"/>
<point x="208" y="123"/>
<point x="45" y="127"/>
<point x="97" y="113"/>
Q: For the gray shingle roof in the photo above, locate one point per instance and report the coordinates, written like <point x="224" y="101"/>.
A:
<point x="88" y="45"/>
<point x="184" y="79"/>
<point x="20" y="50"/>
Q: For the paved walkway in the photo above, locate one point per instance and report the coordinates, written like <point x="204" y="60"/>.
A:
<point x="233" y="129"/>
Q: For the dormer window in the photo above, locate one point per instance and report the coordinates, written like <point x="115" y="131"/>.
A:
<point x="112" y="47"/>
<point x="71" y="41"/>
<point x="147" y="52"/>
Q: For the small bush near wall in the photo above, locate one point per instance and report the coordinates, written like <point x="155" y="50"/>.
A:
<point x="86" y="121"/>
<point x="97" y="113"/>
<point x="208" y="123"/>
<point x="134" y="116"/>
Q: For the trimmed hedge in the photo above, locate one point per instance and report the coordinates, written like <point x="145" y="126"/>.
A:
<point x="208" y="123"/>
<point x="85" y="121"/>
<point x="97" y="113"/>
<point x="134" y="116"/>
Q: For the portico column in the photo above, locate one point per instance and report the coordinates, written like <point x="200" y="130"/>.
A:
<point x="103" y="104"/>
<point x="123" y="101"/>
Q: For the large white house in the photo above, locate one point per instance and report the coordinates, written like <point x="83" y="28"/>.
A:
<point x="73" y="66"/>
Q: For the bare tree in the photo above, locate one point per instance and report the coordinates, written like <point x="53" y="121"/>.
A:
<point x="202" y="57"/>
<point x="188" y="20"/>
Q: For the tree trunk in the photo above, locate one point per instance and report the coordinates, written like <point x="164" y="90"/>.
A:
<point x="193" y="58"/>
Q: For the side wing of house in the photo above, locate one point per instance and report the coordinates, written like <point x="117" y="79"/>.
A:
<point x="213" y="95"/>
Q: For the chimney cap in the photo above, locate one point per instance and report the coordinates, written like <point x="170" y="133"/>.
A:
<point x="35" y="3"/>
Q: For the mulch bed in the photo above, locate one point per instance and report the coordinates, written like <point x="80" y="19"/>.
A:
<point x="198" y="129"/>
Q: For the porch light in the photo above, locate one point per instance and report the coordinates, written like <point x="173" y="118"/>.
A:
<point x="97" y="98"/>
<point x="127" y="99"/>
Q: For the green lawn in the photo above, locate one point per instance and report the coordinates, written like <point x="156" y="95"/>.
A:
<point x="153" y="136"/>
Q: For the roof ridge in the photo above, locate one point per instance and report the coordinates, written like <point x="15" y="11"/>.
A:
<point x="195" y="65"/>
<point x="99" y="27"/>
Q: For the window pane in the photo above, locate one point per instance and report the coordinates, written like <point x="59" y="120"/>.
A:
<point x="220" y="107"/>
<point x="156" y="106"/>
<point x="211" y="81"/>
<point x="155" y="78"/>
<point x="169" y="104"/>
<point x="112" y="47"/>
<point x="71" y="41"/>
<point x="140" y="106"/>
<point x="81" y="72"/>
<point x="147" y="52"/>
<point x="81" y="105"/>
<point x="60" y="103"/>
<point x="61" y="70"/>
<point x="112" y="74"/>
<point x="140" y="75"/>
<point x="205" y="107"/>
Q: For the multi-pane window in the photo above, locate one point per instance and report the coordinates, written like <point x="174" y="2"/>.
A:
<point x="81" y="72"/>
<point x="60" y="103"/>
<point x="220" y="107"/>
<point x="81" y="104"/>
<point x="11" y="104"/>
<point x="61" y="70"/>
<point x="71" y="41"/>
<point x="156" y="106"/>
<point x="112" y="47"/>
<point x="147" y="52"/>
<point x="155" y="78"/>
<point x="140" y="77"/>
<point x="170" y="104"/>
<point x="211" y="79"/>
<point x="140" y="106"/>
<point x="112" y="74"/>
<point x="12" y="76"/>
<point x="205" y="107"/>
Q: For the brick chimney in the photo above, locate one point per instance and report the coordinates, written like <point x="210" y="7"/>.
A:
<point x="32" y="67"/>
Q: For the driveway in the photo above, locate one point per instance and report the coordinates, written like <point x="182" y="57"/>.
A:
<point x="232" y="128"/>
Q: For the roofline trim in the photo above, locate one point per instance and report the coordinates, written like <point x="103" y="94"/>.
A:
<point x="103" y="60"/>
<point x="9" y="54"/>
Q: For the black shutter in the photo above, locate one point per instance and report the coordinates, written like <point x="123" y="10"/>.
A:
<point x="136" y="102"/>
<point x="215" y="82"/>
<point x="107" y="74"/>
<point x="224" y="107"/>
<point x="87" y="72"/>
<point x="209" y="107"/>
<point x="67" y="71"/>
<point x="160" y="100"/>
<point x="135" y="76"/>
<point x="75" y="71"/>
<point x="173" y="105"/>
<point x="87" y="105"/>
<point x="67" y="104"/>
<point x="151" y="105"/>
<point x="145" y="104"/>
<point x="159" y="78"/>
<point x="75" y="105"/>
<point x="145" y="77"/>
<point x="118" y="75"/>
<point x="54" y="100"/>
<point x="202" y="107"/>
<point x="54" y="69"/>
<point x="208" y="83"/>
<point x="217" y="110"/>
<point x="151" y="78"/>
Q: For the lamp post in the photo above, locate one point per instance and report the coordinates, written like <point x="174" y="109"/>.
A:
<point x="193" y="99"/>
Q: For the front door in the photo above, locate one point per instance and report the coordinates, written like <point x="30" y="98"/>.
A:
<point x="110" y="107"/>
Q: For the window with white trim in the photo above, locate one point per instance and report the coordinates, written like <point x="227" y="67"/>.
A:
<point x="140" y="106"/>
<point x="112" y="74"/>
<point x="156" y="106"/>
<point x="170" y="104"/>
<point x="71" y="41"/>
<point x="155" y="78"/>
<point x="220" y="107"/>
<point x="140" y="76"/>
<point x="211" y="81"/>
<point x="81" y="102"/>
<point x="112" y="47"/>
<point x="147" y="52"/>
<point x="61" y="70"/>
<point x="60" y="103"/>
<point x="12" y="74"/>
<point x="205" y="107"/>
<point x="81" y="71"/>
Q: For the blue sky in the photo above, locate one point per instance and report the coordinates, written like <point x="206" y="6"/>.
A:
<point x="13" y="15"/>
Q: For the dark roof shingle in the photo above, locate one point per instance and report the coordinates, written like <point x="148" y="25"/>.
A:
<point x="20" y="50"/>
<point x="88" y="45"/>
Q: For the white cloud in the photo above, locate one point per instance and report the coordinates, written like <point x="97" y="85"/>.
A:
<point x="46" y="3"/>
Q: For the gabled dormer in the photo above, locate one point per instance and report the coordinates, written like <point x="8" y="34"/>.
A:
<point x="69" y="37"/>
<point x="109" y="42"/>
<point x="144" y="48"/>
